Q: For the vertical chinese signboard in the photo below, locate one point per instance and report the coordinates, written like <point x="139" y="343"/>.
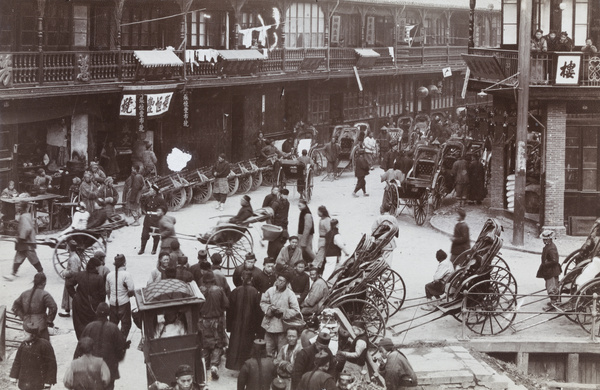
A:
<point x="141" y="112"/>
<point x="370" y="38"/>
<point x="336" y="22"/>
<point x="568" y="66"/>
<point x="186" y="109"/>
<point x="145" y="106"/>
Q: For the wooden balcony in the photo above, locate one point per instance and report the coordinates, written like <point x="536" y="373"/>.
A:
<point x="32" y="69"/>
<point x="543" y="68"/>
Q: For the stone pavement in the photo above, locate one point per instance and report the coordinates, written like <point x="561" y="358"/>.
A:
<point x="453" y="367"/>
<point x="444" y="220"/>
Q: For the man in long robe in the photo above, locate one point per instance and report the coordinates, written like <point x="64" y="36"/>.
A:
<point x="243" y="321"/>
<point x="87" y="290"/>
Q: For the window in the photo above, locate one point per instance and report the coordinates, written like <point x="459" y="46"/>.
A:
<point x="319" y="109"/>
<point x="509" y="22"/>
<point x="152" y="34"/>
<point x="305" y="25"/>
<point x="206" y="29"/>
<point x="57" y="26"/>
<point x="389" y="97"/>
<point x="581" y="22"/>
<point x="581" y="158"/>
<point x="358" y="105"/>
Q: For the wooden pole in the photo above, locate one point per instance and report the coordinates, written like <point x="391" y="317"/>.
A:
<point x="522" y="119"/>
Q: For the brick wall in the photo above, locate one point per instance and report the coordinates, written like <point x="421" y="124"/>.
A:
<point x="555" y="165"/>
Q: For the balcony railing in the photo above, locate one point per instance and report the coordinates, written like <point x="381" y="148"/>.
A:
<point x="59" y="68"/>
<point x="543" y="70"/>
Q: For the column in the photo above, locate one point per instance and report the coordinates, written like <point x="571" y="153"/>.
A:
<point x="554" y="161"/>
<point x="79" y="134"/>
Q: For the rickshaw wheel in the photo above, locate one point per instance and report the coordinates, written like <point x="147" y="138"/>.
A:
<point x="203" y="191"/>
<point x="189" y="191"/>
<point x="394" y="288"/>
<point x="391" y="197"/>
<point x="567" y="286"/>
<point x="569" y="262"/>
<point x="377" y="297"/>
<point x="309" y="185"/>
<point x="492" y="306"/>
<point x="584" y="306"/>
<point x="319" y="161"/>
<point x="257" y="178"/>
<point x="175" y="199"/>
<point x="420" y="208"/>
<point x="439" y="193"/>
<point x="232" y="244"/>
<point x="503" y="275"/>
<point x="462" y="259"/>
<point x="233" y="184"/>
<point x="500" y="262"/>
<point x="87" y="245"/>
<point x="267" y="177"/>
<point x="245" y="184"/>
<point x="358" y="309"/>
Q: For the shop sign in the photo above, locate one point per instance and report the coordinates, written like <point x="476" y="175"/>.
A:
<point x="336" y="22"/>
<point x="141" y="112"/>
<point x="567" y="69"/>
<point x="186" y="109"/>
<point x="155" y="104"/>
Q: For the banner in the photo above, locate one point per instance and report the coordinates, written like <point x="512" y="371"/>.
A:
<point x="186" y="109"/>
<point x="141" y="112"/>
<point x="155" y="104"/>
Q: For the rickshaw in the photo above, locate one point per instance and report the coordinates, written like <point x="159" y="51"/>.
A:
<point x="175" y="303"/>
<point x="443" y="182"/>
<point x="347" y="140"/>
<point x="290" y="171"/>
<point x="413" y="193"/>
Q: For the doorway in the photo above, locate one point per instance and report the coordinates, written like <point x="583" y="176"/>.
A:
<point x="237" y="126"/>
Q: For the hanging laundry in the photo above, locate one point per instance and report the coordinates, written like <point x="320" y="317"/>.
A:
<point x="246" y="37"/>
<point x="262" y="36"/>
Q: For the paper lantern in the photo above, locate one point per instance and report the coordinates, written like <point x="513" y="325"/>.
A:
<point x="422" y="92"/>
<point x="433" y="89"/>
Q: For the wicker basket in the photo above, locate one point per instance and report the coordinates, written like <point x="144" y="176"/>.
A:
<point x="271" y="232"/>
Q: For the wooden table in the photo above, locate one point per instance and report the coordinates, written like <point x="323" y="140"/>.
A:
<point x="33" y="202"/>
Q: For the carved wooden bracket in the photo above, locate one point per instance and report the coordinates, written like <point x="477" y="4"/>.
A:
<point x="84" y="68"/>
<point x="6" y="63"/>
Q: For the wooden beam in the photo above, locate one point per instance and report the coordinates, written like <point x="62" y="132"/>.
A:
<point x="562" y="346"/>
<point x="522" y="362"/>
<point x="562" y="385"/>
<point x="573" y="367"/>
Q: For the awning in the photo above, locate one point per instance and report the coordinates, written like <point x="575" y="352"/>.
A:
<point x="241" y="55"/>
<point x="367" y="53"/>
<point x="157" y="58"/>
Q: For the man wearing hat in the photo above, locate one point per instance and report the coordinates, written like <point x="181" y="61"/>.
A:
<point x="166" y="228"/>
<point x="184" y="380"/>
<point x="440" y="277"/>
<point x="26" y="244"/>
<point x="103" y="270"/>
<point x="281" y="209"/>
<point x="73" y="266"/>
<point x="36" y="307"/>
<point x="266" y="279"/>
<point x="249" y="265"/>
<point x="305" y="359"/>
<point x="132" y="193"/>
<point x="361" y="169"/>
<point x="258" y="372"/>
<point x="87" y="371"/>
<point x="395" y="368"/>
<point x="221" y="171"/>
<point x="150" y="207"/>
<point x="461" y="240"/>
<point x="211" y="323"/>
<point x="549" y="269"/>
<point x="245" y="211"/>
<point x="88" y="191"/>
<point x="87" y="289"/>
<point x="278" y="303"/>
<point x="331" y="151"/>
<point x="290" y="255"/>
<point x="216" y="260"/>
<point x="243" y="321"/>
<point x="34" y="366"/>
<point x="98" y="175"/>
<point x="196" y="269"/>
<point x="318" y="378"/>
<point x="355" y="350"/>
<point x="119" y="288"/>
<point x="109" y="194"/>
<point x="109" y="342"/>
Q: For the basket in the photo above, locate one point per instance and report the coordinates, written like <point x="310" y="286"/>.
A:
<point x="271" y="232"/>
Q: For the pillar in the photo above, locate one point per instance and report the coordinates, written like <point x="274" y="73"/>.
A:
<point x="79" y="135"/>
<point x="573" y="368"/>
<point x="554" y="162"/>
<point x="496" y="184"/>
<point x="523" y="362"/>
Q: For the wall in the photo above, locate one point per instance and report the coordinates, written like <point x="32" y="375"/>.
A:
<point x="79" y="135"/>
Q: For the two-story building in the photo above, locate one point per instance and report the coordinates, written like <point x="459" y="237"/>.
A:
<point x="564" y="100"/>
<point x="77" y="75"/>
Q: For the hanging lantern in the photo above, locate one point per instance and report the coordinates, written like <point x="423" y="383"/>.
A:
<point x="422" y="92"/>
<point x="433" y="89"/>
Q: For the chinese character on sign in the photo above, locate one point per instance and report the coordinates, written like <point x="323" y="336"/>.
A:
<point x="568" y="70"/>
<point x="150" y="104"/>
<point x="127" y="106"/>
<point x="159" y="104"/>
<point x="186" y="109"/>
<point x="141" y="113"/>
<point x="165" y="105"/>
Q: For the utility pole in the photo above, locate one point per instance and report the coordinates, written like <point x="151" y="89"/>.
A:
<point x="522" y="119"/>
